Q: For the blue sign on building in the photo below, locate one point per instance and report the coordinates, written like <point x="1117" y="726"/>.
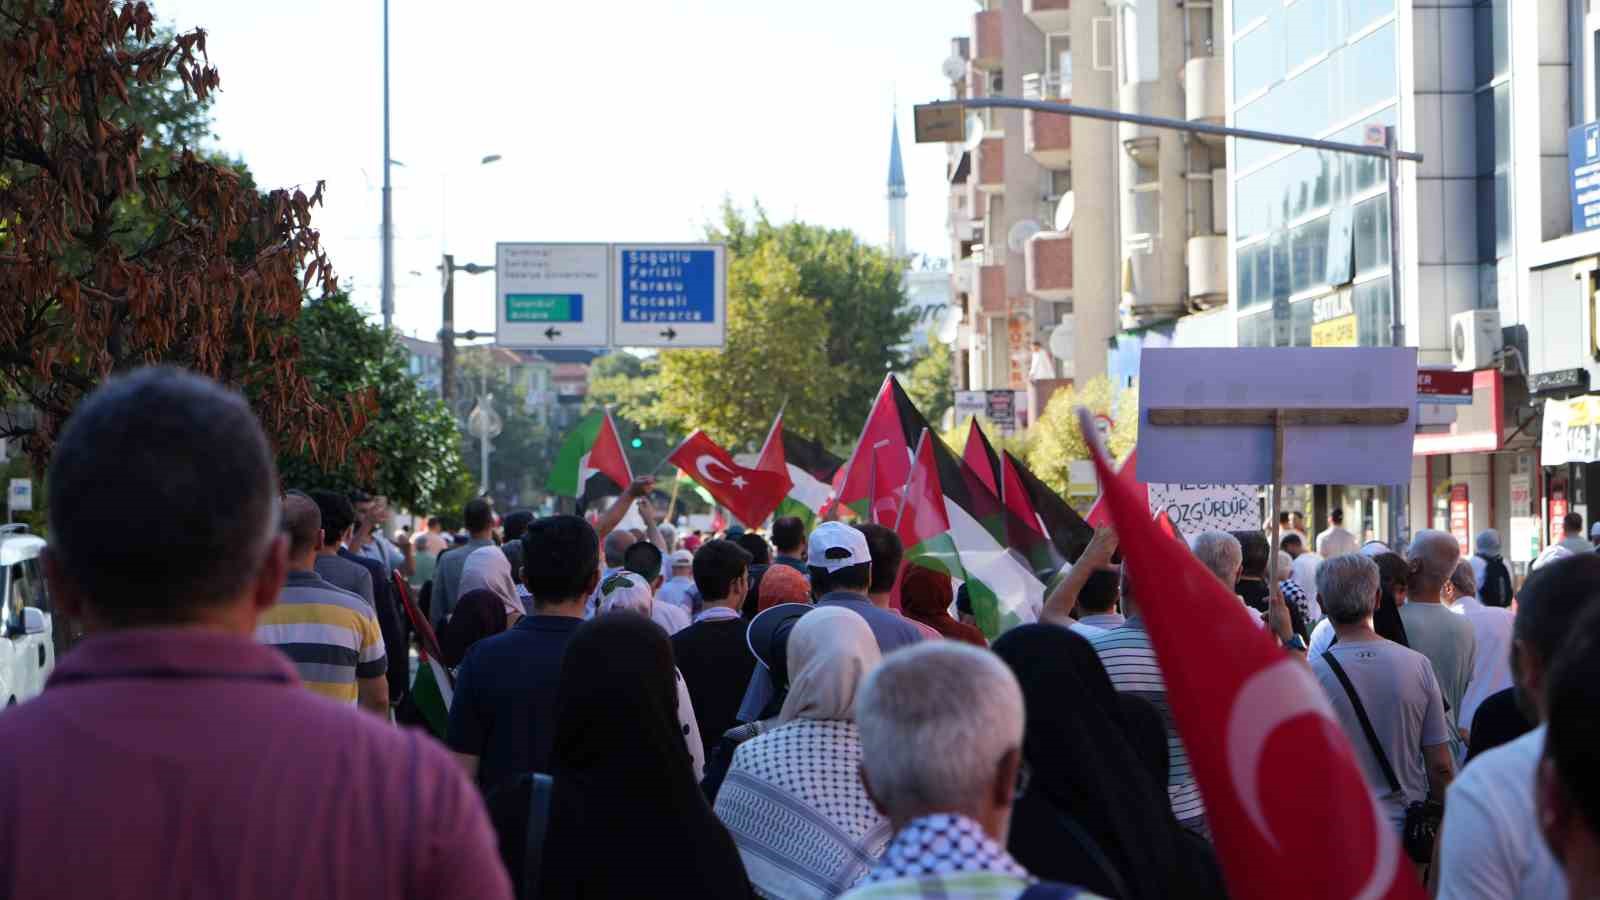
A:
<point x="1583" y="160"/>
<point x="668" y="285"/>
<point x="669" y="295"/>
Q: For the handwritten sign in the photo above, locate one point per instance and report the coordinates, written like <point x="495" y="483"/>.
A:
<point x="1194" y="508"/>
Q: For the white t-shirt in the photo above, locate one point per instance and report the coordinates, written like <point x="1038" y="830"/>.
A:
<point x="1321" y="638"/>
<point x="1402" y="700"/>
<point x="1492" y="846"/>
<point x="678" y="591"/>
<point x="1491" y="657"/>
<point x="1336" y="541"/>
<point x="671" y="619"/>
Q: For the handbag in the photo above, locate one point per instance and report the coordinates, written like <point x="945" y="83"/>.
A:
<point x="538" y="824"/>
<point x="1422" y="817"/>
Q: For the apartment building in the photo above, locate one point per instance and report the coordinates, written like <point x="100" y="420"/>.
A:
<point x="1070" y="231"/>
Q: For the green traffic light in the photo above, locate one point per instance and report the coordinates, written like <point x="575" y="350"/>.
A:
<point x="637" y="443"/>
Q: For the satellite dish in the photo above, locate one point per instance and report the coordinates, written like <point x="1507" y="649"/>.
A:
<point x="1062" y="339"/>
<point x="1017" y="237"/>
<point x="974" y="132"/>
<point x="1065" y="207"/>
<point x="955" y="68"/>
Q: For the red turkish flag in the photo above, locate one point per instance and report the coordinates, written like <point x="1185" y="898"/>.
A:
<point x="1253" y="719"/>
<point x="1127" y="475"/>
<point x="750" y="494"/>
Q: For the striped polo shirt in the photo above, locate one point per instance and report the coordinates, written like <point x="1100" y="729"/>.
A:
<point x="330" y="635"/>
<point x="1129" y="659"/>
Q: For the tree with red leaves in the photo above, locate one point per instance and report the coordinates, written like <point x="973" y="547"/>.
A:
<point x="116" y="251"/>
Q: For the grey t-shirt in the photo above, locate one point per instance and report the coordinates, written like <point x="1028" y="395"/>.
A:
<point x="1446" y="639"/>
<point x="1401" y="697"/>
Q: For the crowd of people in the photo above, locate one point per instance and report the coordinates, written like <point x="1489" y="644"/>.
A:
<point x="796" y="714"/>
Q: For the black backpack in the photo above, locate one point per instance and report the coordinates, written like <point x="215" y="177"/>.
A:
<point x="1496" y="587"/>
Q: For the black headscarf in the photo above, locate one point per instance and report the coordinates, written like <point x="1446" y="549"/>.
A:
<point x="478" y="614"/>
<point x="1088" y="778"/>
<point x="626" y="817"/>
<point x="1392" y="574"/>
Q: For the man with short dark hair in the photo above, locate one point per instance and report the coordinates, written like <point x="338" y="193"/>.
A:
<point x="1097" y="601"/>
<point x="1572" y="534"/>
<point x="338" y="523"/>
<point x="1490" y="839"/>
<point x="513" y="527"/>
<point x="330" y="635"/>
<point x="502" y="719"/>
<point x="1292" y="545"/>
<point x="789" y="540"/>
<point x="644" y="559"/>
<point x="760" y="561"/>
<point x="713" y="654"/>
<point x="888" y="557"/>
<point x="436" y="539"/>
<point x="1337" y="540"/>
<point x="395" y="635"/>
<point x="842" y="567"/>
<point x="479" y="518"/>
<point x="1569" y="775"/>
<point x="177" y="726"/>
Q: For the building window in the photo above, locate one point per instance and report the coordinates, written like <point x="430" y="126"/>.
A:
<point x="1140" y="41"/>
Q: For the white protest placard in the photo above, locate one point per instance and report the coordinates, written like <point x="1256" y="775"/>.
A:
<point x="1194" y="508"/>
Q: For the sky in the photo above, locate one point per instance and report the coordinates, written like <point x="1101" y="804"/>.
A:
<point x="621" y="120"/>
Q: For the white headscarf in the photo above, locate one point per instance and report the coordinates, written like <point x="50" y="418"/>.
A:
<point x="831" y="649"/>
<point x="487" y="569"/>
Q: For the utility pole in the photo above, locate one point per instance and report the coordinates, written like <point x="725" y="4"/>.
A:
<point x="387" y="238"/>
<point x="447" y="333"/>
<point x="1399" y="494"/>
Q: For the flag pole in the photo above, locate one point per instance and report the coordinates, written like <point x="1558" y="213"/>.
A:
<point x="672" y="502"/>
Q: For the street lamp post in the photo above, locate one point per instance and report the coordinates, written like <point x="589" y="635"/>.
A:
<point x="447" y="330"/>
<point x="386" y="239"/>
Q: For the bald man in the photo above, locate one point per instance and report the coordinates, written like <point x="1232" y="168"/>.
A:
<point x="1445" y="638"/>
<point x="329" y="634"/>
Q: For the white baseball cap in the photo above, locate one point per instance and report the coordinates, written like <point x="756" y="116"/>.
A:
<point x="681" y="558"/>
<point x="835" y="545"/>
<point x="625" y="590"/>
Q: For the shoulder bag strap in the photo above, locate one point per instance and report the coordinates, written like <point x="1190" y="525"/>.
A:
<point x="538" y="824"/>
<point x="1366" y="723"/>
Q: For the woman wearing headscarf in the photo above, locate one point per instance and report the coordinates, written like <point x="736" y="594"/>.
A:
<point x="1092" y="814"/>
<point x="627" y="592"/>
<point x="626" y="816"/>
<point x="1393" y="573"/>
<point x="488" y="569"/>
<point x="793" y="798"/>
<point x="478" y="614"/>
<point x="925" y="597"/>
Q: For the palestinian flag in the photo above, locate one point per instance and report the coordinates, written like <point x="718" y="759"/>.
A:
<point x="811" y="469"/>
<point x="1068" y="532"/>
<point x="923" y="523"/>
<point x="591" y="463"/>
<point x="1004" y="591"/>
<point x="1024" y="532"/>
<point x="980" y="469"/>
<point x="433" y="688"/>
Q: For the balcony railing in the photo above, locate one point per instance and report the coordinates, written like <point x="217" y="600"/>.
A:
<point x="1047" y="86"/>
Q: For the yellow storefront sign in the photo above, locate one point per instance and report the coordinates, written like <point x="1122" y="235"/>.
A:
<point x="1340" y="332"/>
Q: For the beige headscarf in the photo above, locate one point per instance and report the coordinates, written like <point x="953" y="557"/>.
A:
<point x="831" y="649"/>
<point x="488" y="569"/>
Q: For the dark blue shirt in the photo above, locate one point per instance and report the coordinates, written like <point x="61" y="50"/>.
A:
<point x="504" y="711"/>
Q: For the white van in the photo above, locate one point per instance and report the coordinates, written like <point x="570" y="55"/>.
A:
<point x="27" y="642"/>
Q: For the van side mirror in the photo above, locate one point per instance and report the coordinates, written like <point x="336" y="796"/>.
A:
<point x="34" y="621"/>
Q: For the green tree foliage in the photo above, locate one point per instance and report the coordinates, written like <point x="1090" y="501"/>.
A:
<point x="856" y="287"/>
<point x="1056" y="440"/>
<point x="776" y="353"/>
<point x="928" y="380"/>
<point x="410" y="449"/>
<point x="626" y="384"/>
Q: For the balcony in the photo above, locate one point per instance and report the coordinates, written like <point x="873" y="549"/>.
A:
<point x="1047" y="138"/>
<point x="990" y="281"/>
<point x="988" y="38"/>
<point x="1048" y="266"/>
<point x="989" y="165"/>
<point x="1208" y="271"/>
<point x="1141" y="142"/>
<point x="1049" y="15"/>
<point x="1202" y="92"/>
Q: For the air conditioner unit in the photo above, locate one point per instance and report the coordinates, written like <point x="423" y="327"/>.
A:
<point x="1475" y="339"/>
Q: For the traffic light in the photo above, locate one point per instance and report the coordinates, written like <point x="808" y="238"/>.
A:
<point x="636" y="443"/>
